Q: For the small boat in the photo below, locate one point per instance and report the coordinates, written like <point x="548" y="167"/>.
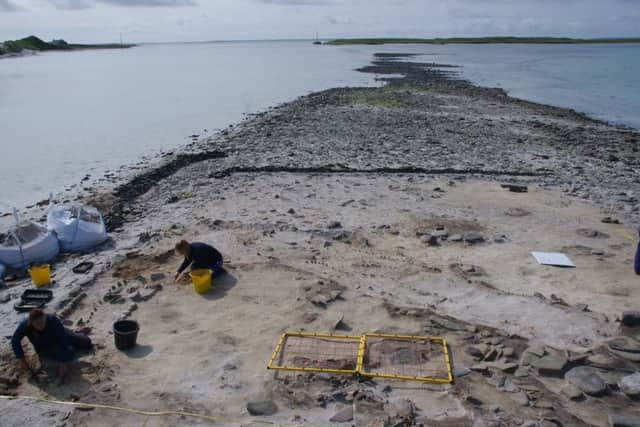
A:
<point x="317" y="41"/>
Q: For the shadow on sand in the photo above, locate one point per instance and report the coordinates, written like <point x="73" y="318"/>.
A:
<point x="222" y="283"/>
<point x="139" y="351"/>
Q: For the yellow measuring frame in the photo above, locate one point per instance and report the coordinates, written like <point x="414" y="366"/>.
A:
<point x="361" y="341"/>
<point x="283" y="338"/>
<point x="445" y="350"/>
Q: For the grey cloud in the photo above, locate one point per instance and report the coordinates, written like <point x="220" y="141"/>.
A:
<point x="461" y="12"/>
<point x="150" y="3"/>
<point x="70" y="4"/>
<point x="86" y="4"/>
<point x="8" y="6"/>
<point x="296" y="2"/>
<point x="337" y="20"/>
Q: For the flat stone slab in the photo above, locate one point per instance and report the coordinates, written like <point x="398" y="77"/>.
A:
<point x="480" y="367"/>
<point x="521" y="372"/>
<point x="440" y="234"/>
<point x="619" y="420"/>
<point x="343" y="416"/>
<point x="473" y="237"/>
<point x="503" y="365"/>
<point x="572" y="392"/>
<point x="476" y="351"/>
<point x="551" y="365"/>
<point x="536" y="350"/>
<point x="627" y="355"/>
<point x="447" y="324"/>
<point x="520" y="398"/>
<point x="630" y="385"/>
<point x="586" y="379"/>
<point x="461" y="371"/>
<point x="155" y="277"/>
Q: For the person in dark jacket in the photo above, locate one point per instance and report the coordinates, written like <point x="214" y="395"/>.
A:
<point x="198" y="255"/>
<point x="636" y="264"/>
<point x="50" y="339"/>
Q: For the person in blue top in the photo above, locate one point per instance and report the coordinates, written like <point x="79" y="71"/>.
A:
<point x="198" y="255"/>
<point x="50" y="339"/>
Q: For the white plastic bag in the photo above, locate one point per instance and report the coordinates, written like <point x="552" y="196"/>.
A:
<point x="79" y="228"/>
<point x="28" y="243"/>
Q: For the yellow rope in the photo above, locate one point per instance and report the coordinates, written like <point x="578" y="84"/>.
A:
<point x="626" y="235"/>
<point x="141" y="412"/>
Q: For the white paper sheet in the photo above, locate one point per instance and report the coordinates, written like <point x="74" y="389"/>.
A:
<point x="553" y="258"/>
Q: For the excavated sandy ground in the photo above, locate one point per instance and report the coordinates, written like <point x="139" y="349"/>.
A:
<point x="207" y="354"/>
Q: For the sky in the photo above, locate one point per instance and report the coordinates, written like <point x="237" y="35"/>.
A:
<point x="203" y="20"/>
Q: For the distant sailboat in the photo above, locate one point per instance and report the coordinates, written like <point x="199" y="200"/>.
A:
<point x="317" y="41"/>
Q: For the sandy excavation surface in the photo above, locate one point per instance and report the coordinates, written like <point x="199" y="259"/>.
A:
<point x="328" y="236"/>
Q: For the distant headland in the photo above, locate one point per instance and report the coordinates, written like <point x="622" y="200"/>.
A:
<point x="483" y="40"/>
<point x="33" y="43"/>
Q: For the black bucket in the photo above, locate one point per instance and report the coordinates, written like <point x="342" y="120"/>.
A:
<point x="125" y="333"/>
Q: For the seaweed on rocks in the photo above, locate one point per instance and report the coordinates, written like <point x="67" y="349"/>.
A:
<point x="416" y="72"/>
<point x="391" y="55"/>
<point x="144" y="182"/>
<point x="406" y="170"/>
<point x="116" y="207"/>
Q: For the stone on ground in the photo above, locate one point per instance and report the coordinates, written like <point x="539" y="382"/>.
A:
<point x="619" y="420"/>
<point x="155" y="277"/>
<point x="630" y="385"/>
<point x="586" y="379"/>
<point x="262" y="407"/>
<point x="552" y="365"/>
<point x="572" y="392"/>
<point x="343" y="416"/>
<point x="473" y="237"/>
<point x="503" y="365"/>
<point x="520" y="398"/>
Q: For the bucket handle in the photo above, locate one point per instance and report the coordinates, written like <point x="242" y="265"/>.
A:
<point x="78" y="210"/>
<point x="16" y="216"/>
<point x="50" y="206"/>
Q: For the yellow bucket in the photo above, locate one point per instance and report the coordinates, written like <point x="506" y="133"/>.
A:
<point x="201" y="280"/>
<point x="40" y="275"/>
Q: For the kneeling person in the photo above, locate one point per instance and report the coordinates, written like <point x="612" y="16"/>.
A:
<point x="198" y="255"/>
<point x="50" y="339"/>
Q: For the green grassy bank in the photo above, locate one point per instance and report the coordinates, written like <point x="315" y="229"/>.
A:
<point x="34" y="43"/>
<point x="482" y="40"/>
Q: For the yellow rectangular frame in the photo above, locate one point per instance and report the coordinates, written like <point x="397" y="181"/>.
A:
<point x="441" y="340"/>
<point x="362" y="343"/>
<point x="284" y="337"/>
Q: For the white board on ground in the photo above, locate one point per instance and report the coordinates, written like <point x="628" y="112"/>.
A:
<point x="553" y="258"/>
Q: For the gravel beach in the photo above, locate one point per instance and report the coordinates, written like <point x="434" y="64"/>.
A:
<point x="408" y="209"/>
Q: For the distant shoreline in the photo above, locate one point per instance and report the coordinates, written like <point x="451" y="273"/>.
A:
<point x="481" y="40"/>
<point x="32" y="44"/>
